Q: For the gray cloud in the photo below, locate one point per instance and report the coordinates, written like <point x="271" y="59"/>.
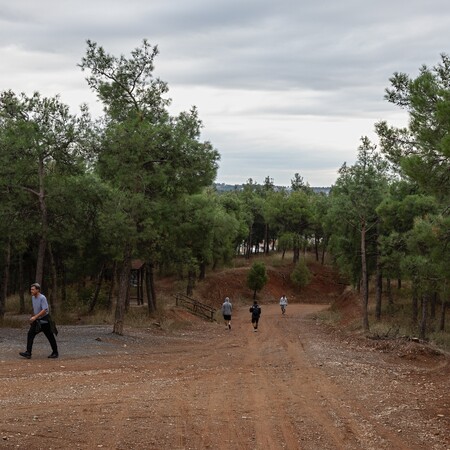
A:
<point x="299" y="80"/>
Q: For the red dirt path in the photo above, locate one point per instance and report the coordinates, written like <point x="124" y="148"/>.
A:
<point x="295" y="384"/>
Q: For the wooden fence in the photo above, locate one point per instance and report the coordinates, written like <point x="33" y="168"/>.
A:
<point x="195" y="307"/>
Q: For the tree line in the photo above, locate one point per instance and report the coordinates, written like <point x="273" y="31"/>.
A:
<point x="81" y="197"/>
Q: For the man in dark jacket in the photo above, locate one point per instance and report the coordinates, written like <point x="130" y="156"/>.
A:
<point x="256" y="313"/>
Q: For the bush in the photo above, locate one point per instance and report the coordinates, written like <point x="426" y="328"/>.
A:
<point x="257" y="277"/>
<point x="301" y="275"/>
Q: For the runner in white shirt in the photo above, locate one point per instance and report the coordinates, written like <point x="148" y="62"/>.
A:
<point x="283" y="303"/>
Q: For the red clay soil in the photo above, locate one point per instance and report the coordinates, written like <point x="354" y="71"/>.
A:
<point x="294" y="384"/>
<point x="324" y="287"/>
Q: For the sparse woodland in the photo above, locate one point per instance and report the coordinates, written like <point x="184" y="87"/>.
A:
<point x="82" y="198"/>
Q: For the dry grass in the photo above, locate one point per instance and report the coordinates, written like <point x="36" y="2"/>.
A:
<point x="396" y="319"/>
<point x="11" y="322"/>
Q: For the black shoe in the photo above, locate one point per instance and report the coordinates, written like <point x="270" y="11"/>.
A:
<point x="53" y="355"/>
<point x="25" y="355"/>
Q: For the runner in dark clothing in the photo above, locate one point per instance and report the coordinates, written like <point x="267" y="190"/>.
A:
<point x="256" y="313"/>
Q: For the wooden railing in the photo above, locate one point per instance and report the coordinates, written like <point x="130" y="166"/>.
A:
<point x="195" y="307"/>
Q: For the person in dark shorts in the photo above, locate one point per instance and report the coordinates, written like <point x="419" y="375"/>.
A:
<point x="283" y="303"/>
<point x="256" y="314"/>
<point x="227" y="309"/>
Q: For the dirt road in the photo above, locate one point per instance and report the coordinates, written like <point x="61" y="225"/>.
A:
<point x="292" y="385"/>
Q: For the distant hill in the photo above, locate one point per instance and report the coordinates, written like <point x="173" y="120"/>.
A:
<point x="222" y="187"/>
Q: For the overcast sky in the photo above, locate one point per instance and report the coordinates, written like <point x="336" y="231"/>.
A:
<point x="282" y="87"/>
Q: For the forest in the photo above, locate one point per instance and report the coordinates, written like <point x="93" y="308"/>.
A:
<point x="82" y="198"/>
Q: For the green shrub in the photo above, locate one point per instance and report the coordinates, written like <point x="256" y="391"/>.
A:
<point x="257" y="277"/>
<point x="301" y="275"/>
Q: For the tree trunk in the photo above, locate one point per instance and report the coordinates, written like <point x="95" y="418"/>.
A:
<point x="44" y="227"/>
<point x="63" y="286"/>
<point x="442" y="320"/>
<point x="53" y="297"/>
<point x="127" y="303"/>
<point x="316" y="248"/>
<point x="415" y="302"/>
<point x="141" y="285"/>
<point x="266" y="239"/>
<point x="21" y="287"/>
<point x="98" y="286"/>
<point x="150" y="288"/>
<point x="5" y="278"/>
<point x="296" y="254"/>
<point x="379" y="291"/>
<point x="2" y="302"/>
<point x="378" y="278"/>
<point x="364" y="280"/>
<point x="191" y="282"/>
<point x="40" y="261"/>
<point x="324" y="247"/>
<point x="202" y="267"/>
<point x="112" y="286"/>
<point x="249" y="243"/>
<point x="389" y="291"/>
<point x="124" y="281"/>
<point x="423" y="322"/>
<point x="434" y="300"/>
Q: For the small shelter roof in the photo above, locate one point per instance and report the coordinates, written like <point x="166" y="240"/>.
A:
<point x="137" y="264"/>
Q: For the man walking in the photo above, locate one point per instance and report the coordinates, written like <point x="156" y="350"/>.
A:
<point x="40" y="321"/>
<point x="227" y="308"/>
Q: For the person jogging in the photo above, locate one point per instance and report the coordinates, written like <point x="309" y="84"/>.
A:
<point x="283" y="303"/>
<point x="256" y="314"/>
<point x="227" y="309"/>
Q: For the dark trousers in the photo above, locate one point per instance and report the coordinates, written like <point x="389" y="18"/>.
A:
<point x="46" y="329"/>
